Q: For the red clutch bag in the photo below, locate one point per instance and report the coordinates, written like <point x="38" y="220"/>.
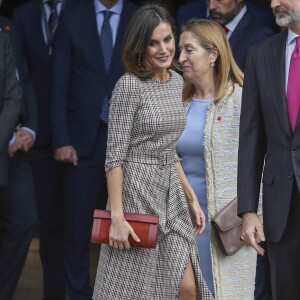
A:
<point x="145" y="227"/>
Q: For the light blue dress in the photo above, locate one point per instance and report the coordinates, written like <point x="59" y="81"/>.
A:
<point x="190" y="149"/>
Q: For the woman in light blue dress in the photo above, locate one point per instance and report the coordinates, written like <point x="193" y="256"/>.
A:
<point x="208" y="148"/>
<point x="190" y="149"/>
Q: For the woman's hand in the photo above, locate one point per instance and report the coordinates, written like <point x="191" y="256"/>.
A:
<point x="119" y="232"/>
<point x="197" y="216"/>
<point x="196" y="213"/>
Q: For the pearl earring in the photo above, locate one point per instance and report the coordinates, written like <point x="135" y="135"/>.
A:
<point x="212" y="64"/>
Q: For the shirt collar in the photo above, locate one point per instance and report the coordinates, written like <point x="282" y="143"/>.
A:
<point x="116" y="9"/>
<point x="233" y="23"/>
<point x="291" y="36"/>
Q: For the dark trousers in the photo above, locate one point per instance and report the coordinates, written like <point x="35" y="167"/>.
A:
<point x="49" y="191"/>
<point x="262" y="279"/>
<point x="83" y="186"/>
<point x="18" y="219"/>
<point x="285" y="256"/>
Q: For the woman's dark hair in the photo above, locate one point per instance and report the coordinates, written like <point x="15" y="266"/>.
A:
<point x="138" y="35"/>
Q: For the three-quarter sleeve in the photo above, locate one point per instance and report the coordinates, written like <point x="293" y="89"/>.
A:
<point x="123" y="105"/>
<point x="177" y="158"/>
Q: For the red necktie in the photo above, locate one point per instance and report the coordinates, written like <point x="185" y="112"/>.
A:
<point x="225" y="29"/>
<point x="293" y="88"/>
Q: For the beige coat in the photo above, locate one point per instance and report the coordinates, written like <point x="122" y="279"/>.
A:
<point x="234" y="276"/>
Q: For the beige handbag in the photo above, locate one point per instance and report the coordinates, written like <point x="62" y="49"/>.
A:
<point x="228" y="227"/>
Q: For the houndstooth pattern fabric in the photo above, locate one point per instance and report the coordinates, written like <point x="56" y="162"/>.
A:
<point x="145" y="121"/>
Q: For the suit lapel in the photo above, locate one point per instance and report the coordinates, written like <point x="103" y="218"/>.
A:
<point x="239" y="31"/>
<point x="2" y="24"/>
<point x="91" y="31"/>
<point x="298" y="120"/>
<point x="37" y="28"/>
<point x="120" y="36"/>
<point x="119" y="41"/>
<point x="276" y="73"/>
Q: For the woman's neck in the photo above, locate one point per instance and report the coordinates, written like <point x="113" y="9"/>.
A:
<point x="204" y="88"/>
<point x="162" y="75"/>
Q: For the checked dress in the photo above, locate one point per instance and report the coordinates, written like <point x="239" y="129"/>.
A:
<point x="146" y="119"/>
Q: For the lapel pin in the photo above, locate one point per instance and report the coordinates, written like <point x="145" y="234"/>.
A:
<point x="219" y="118"/>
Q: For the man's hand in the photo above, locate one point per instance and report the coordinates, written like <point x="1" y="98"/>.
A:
<point x="12" y="149"/>
<point x="252" y="231"/>
<point x="23" y="141"/>
<point x="26" y="140"/>
<point x="66" y="154"/>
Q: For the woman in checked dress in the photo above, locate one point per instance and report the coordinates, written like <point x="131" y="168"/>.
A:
<point x="144" y="174"/>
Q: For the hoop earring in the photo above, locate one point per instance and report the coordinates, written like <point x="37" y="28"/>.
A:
<point x="212" y="64"/>
<point x="139" y="60"/>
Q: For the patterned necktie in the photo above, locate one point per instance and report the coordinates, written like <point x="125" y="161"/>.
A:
<point x="107" y="47"/>
<point x="106" y="39"/>
<point x="53" y="19"/>
<point x="293" y="88"/>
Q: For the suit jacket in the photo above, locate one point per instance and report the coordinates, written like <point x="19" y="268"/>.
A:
<point x="195" y="9"/>
<point x="198" y="9"/>
<point x="10" y="101"/>
<point x="80" y="81"/>
<point x="29" y="117"/>
<point x="266" y="142"/>
<point x="247" y="33"/>
<point x="28" y="21"/>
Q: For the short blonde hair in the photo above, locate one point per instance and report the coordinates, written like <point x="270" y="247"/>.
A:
<point x="211" y="35"/>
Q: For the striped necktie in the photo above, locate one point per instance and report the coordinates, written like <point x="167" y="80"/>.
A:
<point x="53" y="19"/>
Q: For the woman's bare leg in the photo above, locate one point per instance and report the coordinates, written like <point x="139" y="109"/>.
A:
<point x="188" y="286"/>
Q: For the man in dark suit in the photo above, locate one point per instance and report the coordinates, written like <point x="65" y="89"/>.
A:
<point x="10" y="102"/>
<point x="198" y="9"/>
<point x="32" y="21"/>
<point x="83" y="80"/>
<point x="18" y="205"/>
<point x="269" y="144"/>
<point x="243" y="30"/>
<point x="10" y="108"/>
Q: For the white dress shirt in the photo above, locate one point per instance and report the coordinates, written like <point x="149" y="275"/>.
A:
<point x="289" y="48"/>
<point x="232" y="24"/>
